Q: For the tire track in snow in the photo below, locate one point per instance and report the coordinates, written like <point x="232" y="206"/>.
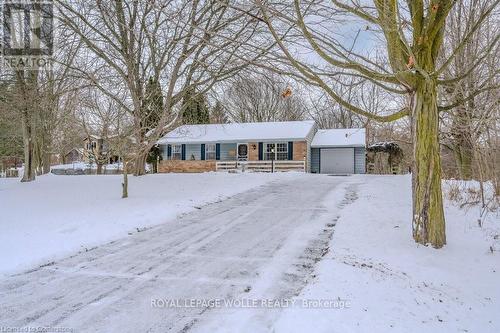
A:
<point x="216" y="252"/>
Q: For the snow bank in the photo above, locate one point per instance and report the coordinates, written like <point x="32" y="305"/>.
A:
<point x="59" y="215"/>
<point x="394" y="285"/>
<point x="84" y="165"/>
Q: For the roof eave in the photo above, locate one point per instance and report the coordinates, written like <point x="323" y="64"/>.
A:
<point x="339" y="146"/>
<point x="165" y="141"/>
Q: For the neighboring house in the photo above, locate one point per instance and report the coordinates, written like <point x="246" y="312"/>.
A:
<point x="7" y="162"/>
<point x="72" y="156"/>
<point x="96" y="147"/>
<point x="200" y="148"/>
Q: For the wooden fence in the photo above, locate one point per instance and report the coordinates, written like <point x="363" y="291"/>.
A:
<point x="261" y="166"/>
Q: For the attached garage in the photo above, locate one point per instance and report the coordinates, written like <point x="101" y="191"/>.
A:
<point x="337" y="160"/>
<point x="338" y="151"/>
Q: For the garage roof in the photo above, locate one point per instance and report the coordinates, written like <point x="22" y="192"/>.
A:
<point x="345" y="137"/>
<point x="240" y="132"/>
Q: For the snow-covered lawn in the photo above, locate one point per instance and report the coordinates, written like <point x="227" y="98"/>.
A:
<point x="59" y="215"/>
<point x="393" y="285"/>
<point x="270" y="243"/>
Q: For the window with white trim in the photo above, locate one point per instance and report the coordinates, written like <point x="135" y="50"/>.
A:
<point x="276" y="151"/>
<point x="282" y="151"/>
<point x="210" y="151"/>
<point x="269" y="151"/>
<point x="176" y="152"/>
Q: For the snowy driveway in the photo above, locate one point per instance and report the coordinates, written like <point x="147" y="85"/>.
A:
<point x="262" y="243"/>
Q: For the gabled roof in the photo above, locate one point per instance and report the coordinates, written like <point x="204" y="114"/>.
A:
<point x="345" y="137"/>
<point x="78" y="150"/>
<point x="240" y="132"/>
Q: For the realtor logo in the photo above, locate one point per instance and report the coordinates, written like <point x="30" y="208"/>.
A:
<point x="27" y="33"/>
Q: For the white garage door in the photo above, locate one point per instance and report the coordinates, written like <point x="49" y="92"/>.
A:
<point x="337" y="160"/>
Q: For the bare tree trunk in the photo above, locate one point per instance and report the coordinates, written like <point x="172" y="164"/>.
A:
<point x="154" y="165"/>
<point x="463" y="143"/>
<point x="99" y="168"/>
<point x="42" y="155"/>
<point x="428" y="212"/>
<point x="125" y="180"/>
<point x="46" y="162"/>
<point x="463" y="158"/>
<point x="29" y="170"/>
<point x="140" y="164"/>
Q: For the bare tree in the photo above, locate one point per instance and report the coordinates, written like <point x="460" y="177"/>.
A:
<point x="103" y="118"/>
<point x="219" y="114"/>
<point x="69" y="133"/>
<point x="99" y="119"/>
<point x="183" y="45"/>
<point x="24" y="99"/>
<point x="412" y="33"/>
<point x="122" y="142"/>
<point x="56" y="88"/>
<point x="37" y="94"/>
<point x="466" y="124"/>
<point x="330" y="114"/>
<point x="11" y="138"/>
<point x="254" y="97"/>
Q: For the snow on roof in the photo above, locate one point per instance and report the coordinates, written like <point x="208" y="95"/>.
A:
<point x="79" y="150"/>
<point x="98" y="137"/>
<point x="239" y="132"/>
<point x="384" y="146"/>
<point x="345" y="137"/>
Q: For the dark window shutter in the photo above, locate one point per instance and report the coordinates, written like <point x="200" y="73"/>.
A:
<point x="217" y="151"/>
<point x="183" y="152"/>
<point x="202" y="151"/>
<point x="290" y="150"/>
<point x="261" y="151"/>
<point x="169" y="152"/>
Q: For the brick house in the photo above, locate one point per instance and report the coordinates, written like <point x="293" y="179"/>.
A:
<point x="285" y="145"/>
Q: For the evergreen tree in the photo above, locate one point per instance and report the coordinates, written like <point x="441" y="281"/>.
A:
<point x="152" y="108"/>
<point x="11" y="140"/>
<point x="154" y="157"/>
<point x="152" y="105"/>
<point x="218" y="114"/>
<point x="194" y="108"/>
<point x="11" y="136"/>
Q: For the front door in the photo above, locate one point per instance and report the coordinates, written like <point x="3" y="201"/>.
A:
<point x="242" y="152"/>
